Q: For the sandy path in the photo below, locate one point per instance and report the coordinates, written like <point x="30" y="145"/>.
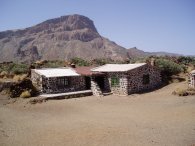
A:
<point x="150" y="119"/>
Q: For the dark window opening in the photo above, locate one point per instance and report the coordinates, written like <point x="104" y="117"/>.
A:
<point x="114" y="81"/>
<point x="146" y="79"/>
<point x="63" y="82"/>
<point x="88" y="82"/>
<point x="100" y="81"/>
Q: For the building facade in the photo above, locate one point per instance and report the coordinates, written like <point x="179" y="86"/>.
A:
<point x="191" y="80"/>
<point x="59" y="80"/>
<point x="125" y="79"/>
<point x="120" y="79"/>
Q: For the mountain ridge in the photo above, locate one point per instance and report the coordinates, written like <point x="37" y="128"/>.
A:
<point x="60" y="38"/>
<point x="135" y="52"/>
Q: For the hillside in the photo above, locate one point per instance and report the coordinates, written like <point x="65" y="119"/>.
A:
<point x="60" y="38"/>
<point x="134" y="52"/>
<point x="63" y="38"/>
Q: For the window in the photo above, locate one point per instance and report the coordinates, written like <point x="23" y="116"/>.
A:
<point x="63" y="82"/>
<point x="146" y="79"/>
<point x="114" y="81"/>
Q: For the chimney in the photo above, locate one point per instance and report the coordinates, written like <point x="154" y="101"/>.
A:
<point x="73" y="65"/>
<point x="152" y="61"/>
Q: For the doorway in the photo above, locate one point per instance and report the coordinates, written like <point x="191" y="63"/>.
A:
<point x="88" y="83"/>
<point x="100" y="81"/>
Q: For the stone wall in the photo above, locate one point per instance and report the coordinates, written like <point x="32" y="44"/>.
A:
<point x="135" y="79"/>
<point x="49" y="85"/>
<point x="36" y="80"/>
<point x="97" y="91"/>
<point x="122" y="88"/>
<point x="95" y="88"/>
<point x="132" y="81"/>
<point x="191" y="81"/>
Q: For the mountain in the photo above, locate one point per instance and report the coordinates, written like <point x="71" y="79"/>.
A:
<point x="60" y="38"/>
<point x="134" y="52"/>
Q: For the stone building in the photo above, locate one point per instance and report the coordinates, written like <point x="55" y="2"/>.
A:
<point x="125" y="79"/>
<point x="93" y="80"/>
<point x="120" y="79"/>
<point x="192" y="79"/>
<point x="57" y="80"/>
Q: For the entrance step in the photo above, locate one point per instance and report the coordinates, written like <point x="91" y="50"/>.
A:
<point x="106" y="93"/>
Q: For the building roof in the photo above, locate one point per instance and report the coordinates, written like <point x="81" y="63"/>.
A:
<point x="86" y="70"/>
<point x="56" y="72"/>
<point x="192" y="72"/>
<point x="117" y="67"/>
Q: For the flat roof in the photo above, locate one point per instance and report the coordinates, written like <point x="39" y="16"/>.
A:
<point x="192" y="72"/>
<point x="56" y="72"/>
<point x="117" y="67"/>
<point x="86" y="71"/>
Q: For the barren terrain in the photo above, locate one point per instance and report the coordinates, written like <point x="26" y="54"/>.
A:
<point x="151" y="119"/>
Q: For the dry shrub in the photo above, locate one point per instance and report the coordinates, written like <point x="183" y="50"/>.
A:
<point x="10" y="75"/>
<point x="191" y="91"/>
<point x="25" y="94"/>
<point x="3" y="74"/>
<point x="34" y="101"/>
<point x="180" y="92"/>
<point x="5" y="77"/>
<point x="18" y="78"/>
<point x="184" y="92"/>
<point x="5" y="92"/>
<point x="19" y="87"/>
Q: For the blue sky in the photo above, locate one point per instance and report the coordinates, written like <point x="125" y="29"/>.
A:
<point x="150" y="25"/>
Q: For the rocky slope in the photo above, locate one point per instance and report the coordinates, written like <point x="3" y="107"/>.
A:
<point x="134" y="52"/>
<point x="60" y="38"/>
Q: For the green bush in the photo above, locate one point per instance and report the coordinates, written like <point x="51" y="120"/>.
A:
<point x="186" y="60"/>
<point x="14" y="68"/>
<point x="169" y="67"/>
<point x="52" y="64"/>
<point x="19" y="69"/>
<point x="80" y="61"/>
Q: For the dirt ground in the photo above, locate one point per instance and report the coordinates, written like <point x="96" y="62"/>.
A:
<point x="151" y="119"/>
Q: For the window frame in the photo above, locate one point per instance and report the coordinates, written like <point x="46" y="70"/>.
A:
<point x="115" y="81"/>
<point x="146" y="79"/>
<point x="63" y="82"/>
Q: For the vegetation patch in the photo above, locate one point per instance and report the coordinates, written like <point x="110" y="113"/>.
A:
<point x="34" y="101"/>
<point x="13" y="68"/>
<point x="25" y="94"/>
<point x="17" y="89"/>
<point x="184" y="92"/>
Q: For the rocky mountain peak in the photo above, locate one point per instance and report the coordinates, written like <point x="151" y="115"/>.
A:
<point x="61" y="38"/>
<point x="71" y="22"/>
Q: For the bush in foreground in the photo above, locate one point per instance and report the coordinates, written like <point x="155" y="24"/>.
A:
<point x="184" y="92"/>
<point x="169" y="67"/>
<point x="19" y="87"/>
<point x="25" y="94"/>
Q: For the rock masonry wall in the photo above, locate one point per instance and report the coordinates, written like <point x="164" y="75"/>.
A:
<point x="132" y="81"/>
<point x="95" y="88"/>
<point x="49" y="85"/>
<point x="191" y="81"/>
<point x="122" y="88"/>
<point x="36" y="80"/>
<point x="135" y="79"/>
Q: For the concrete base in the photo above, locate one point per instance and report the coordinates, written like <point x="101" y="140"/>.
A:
<point x="66" y="95"/>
